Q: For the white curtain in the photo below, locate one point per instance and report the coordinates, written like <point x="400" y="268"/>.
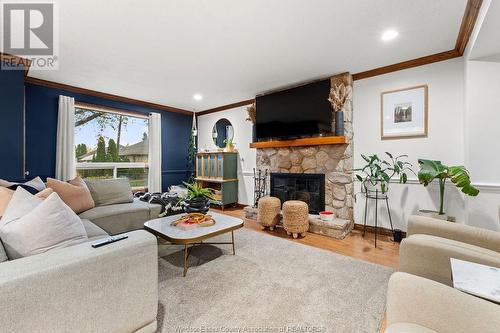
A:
<point x="65" y="150"/>
<point x="154" y="176"/>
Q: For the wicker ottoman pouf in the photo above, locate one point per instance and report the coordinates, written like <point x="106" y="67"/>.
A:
<point x="268" y="212"/>
<point x="295" y="217"/>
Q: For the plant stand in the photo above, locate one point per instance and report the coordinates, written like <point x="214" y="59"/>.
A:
<point x="376" y="195"/>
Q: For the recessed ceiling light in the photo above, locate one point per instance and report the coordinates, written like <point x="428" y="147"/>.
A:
<point x="389" y="35"/>
<point x="197" y="97"/>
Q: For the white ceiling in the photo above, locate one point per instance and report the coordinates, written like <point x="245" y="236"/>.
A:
<point x="228" y="50"/>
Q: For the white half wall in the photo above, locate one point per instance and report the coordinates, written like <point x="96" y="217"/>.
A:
<point x="242" y="139"/>
<point x="445" y="140"/>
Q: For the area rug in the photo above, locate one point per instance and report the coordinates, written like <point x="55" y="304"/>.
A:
<point x="270" y="285"/>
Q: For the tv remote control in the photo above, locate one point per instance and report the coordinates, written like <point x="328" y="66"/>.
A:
<point x="109" y="240"/>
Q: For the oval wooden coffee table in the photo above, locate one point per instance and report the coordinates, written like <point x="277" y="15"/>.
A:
<point x="223" y="224"/>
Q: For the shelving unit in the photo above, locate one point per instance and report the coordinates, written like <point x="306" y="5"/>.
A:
<point x="219" y="171"/>
<point x="321" y="140"/>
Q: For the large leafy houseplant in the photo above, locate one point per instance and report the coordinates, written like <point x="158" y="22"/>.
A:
<point x="198" y="198"/>
<point x="430" y="170"/>
<point x="378" y="171"/>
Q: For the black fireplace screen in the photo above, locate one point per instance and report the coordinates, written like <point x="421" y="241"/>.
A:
<point x="307" y="187"/>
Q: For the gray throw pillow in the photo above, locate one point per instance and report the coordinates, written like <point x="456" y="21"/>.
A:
<point x="110" y="191"/>
<point x="38" y="227"/>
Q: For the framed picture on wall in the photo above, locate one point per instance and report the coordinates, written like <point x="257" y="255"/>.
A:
<point x="404" y="113"/>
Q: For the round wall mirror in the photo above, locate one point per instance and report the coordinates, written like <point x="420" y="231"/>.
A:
<point x="222" y="132"/>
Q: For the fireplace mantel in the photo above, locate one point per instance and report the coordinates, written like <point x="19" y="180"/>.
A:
<point x="322" y="140"/>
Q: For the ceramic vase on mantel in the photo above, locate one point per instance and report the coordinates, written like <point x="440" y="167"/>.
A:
<point x="339" y="123"/>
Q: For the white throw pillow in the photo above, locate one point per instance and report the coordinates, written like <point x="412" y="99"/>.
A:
<point x="47" y="225"/>
<point x="24" y="203"/>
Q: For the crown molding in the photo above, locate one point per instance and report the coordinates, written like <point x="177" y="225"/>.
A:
<point x="226" y="107"/>
<point x="99" y="94"/>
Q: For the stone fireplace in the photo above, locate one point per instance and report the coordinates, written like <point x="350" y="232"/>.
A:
<point x="334" y="161"/>
<point x="307" y="187"/>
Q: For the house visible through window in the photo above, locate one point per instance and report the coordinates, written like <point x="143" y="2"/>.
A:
<point x="111" y="144"/>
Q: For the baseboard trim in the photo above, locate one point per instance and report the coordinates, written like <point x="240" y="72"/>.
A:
<point x="380" y="230"/>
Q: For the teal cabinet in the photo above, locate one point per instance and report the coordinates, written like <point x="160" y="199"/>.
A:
<point x="219" y="171"/>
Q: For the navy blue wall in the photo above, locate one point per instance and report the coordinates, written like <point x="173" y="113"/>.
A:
<point x="41" y="131"/>
<point x="11" y="123"/>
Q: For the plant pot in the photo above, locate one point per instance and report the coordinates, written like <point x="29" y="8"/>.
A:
<point x="229" y="148"/>
<point x="339" y="123"/>
<point x="372" y="189"/>
<point x="432" y="213"/>
<point x="197" y="205"/>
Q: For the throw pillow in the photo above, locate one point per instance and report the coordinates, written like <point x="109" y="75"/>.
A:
<point x="49" y="225"/>
<point x="110" y="191"/>
<point x="6" y="194"/>
<point x="45" y="193"/>
<point x="74" y="193"/>
<point x="24" y="203"/>
<point x="33" y="186"/>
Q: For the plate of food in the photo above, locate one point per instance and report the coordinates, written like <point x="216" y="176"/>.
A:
<point x="193" y="220"/>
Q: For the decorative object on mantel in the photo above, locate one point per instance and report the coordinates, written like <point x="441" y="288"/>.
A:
<point x="252" y="113"/>
<point x="404" y="113"/>
<point x="430" y="170"/>
<point x="269" y="212"/>
<point x="252" y="117"/>
<point x="260" y="185"/>
<point x="340" y="94"/>
<point x="375" y="177"/>
<point x="295" y="218"/>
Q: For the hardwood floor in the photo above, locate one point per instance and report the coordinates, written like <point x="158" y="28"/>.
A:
<point x="354" y="245"/>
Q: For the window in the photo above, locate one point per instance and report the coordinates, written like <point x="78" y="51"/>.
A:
<point x="111" y="144"/>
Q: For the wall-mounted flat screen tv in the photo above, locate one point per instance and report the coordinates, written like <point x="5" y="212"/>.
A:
<point x="296" y="112"/>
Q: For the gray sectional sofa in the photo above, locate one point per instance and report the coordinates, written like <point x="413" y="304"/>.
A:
<point x="119" y="218"/>
<point x="116" y="209"/>
<point x="113" y="288"/>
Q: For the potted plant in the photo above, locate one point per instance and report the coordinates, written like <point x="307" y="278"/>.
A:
<point x="377" y="173"/>
<point x="430" y="170"/>
<point x="229" y="145"/>
<point x="198" y="198"/>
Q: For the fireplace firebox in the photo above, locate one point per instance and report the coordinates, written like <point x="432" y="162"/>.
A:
<point x="307" y="187"/>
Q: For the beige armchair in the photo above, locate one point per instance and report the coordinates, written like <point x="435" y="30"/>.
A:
<point x="431" y="243"/>
<point x="418" y="305"/>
